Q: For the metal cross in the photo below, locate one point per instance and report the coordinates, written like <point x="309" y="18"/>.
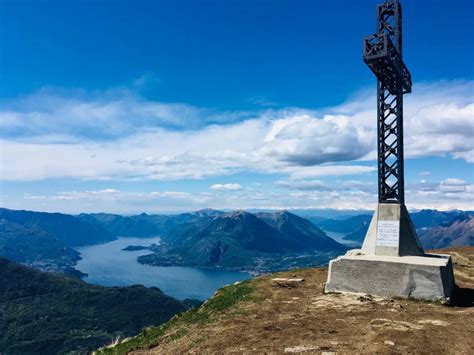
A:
<point x="383" y="55"/>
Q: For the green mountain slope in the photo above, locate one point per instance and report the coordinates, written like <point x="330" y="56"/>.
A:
<point x="35" y="248"/>
<point x="458" y="232"/>
<point x="434" y="218"/>
<point x="66" y="228"/>
<point x="244" y="241"/>
<point x="134" y="226"/>
<point x="43" y="313"/>
<point x="299" y="230"/>
<point x="145" y="225"/>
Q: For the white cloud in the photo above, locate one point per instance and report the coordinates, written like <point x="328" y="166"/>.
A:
<point x="447" y="194"/>
<point x="303" y="185"/>
<point x="440" y="120"/>
<point x="349" y="194"/>
<point x="342" y="186"/>
<point x="309" y="172"/>
<point x="159" y="155"/>
<point x="119" y="136"/>
<point x="453" y="185"/>
<point x="305" y="140"/>
<point x="109" y="115"/>
<point x="226" y="187"/>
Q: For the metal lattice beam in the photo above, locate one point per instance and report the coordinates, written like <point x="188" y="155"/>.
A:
<point x="383" y="55"/>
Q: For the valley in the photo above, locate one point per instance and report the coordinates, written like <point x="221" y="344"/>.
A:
<point x="105" y="272"/>
<point x="255" y="242"/>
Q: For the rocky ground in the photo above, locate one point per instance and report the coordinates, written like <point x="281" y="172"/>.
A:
<point x="275" y="316"/>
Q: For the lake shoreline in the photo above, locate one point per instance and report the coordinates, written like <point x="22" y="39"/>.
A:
<point x="108" y="265"/>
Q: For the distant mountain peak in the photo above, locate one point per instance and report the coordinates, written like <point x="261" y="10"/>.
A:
<point x="208" y="212"/>
<point x="278" y="215"/>
<point x="237" y="213"/>
<point x="244" y="240"/>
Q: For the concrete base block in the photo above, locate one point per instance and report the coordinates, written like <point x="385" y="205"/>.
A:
<point x="428" y="277"/>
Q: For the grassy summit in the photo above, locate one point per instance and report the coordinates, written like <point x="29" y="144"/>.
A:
<point x="221" y="304"/>
<point x="270" y="316"/>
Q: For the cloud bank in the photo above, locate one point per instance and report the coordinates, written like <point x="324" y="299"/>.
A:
<point x="119" y="136"/>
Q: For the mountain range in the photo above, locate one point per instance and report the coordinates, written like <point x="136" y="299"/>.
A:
<point x="457" y="232"/>
<point x="46" y="241"/>
<point x="436" y="229"/>
<point x="236" y="240"/>
<point x="145" y="225"/>
<point x="208" y="238"/>
<point x="244" y="241"/>
<point x="36" y="248"/>
<point x="70" y="230"/>
<point x="50" y="313"/>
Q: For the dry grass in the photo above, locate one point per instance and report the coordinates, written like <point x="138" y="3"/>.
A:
<point x="271" y="318"/>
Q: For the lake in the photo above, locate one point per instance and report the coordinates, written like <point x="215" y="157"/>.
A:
<point x="108" y="265"/>
<point x="339" y="237"/>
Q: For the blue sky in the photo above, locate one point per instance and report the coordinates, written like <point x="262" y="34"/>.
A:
<point x="155" y="106"/>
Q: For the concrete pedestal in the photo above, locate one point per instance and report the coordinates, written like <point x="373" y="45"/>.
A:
<point x="428" y="277"/>
<point x="392" y="262"/>
<point x="391" y="232"/>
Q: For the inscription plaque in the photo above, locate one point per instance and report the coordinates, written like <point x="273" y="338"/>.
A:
<point x="388" y="233"/>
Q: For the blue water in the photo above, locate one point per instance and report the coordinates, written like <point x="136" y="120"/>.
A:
<point x="108" y="265"/>
<point x="339" y="237"/>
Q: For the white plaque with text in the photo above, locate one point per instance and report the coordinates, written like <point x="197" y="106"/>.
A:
<point x="388" y="233"/>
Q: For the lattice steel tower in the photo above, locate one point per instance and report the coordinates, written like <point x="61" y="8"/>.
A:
<point x="383" y="55"/>
<point x="391" y="262"/>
